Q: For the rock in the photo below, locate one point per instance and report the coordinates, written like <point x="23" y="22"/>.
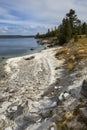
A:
<point x="24" y="121"/>
<point x="61" y="97"/>
<point x="14" y="112"/>
<point x="8" y="128"/>
<point x="60" y="87"/>
<point x="4" y="106"/>
<point x="2" y="117"/>
<point x="54" y="104"/>
<point x="32" y="49"/>
<point x="3" y="57"/>
<point x="66" y="95"/>
<point x="12" y="109"/>
<point x="44" y="42"/>
<point x="29" y="58"/>
<point x="84" y="88"/>
<point x="83" y="112"/>
<point x="1" y="124"/>
<point x="53" y="126"/>
<point x="56" y="87"/>
<point x="45" y="113"/>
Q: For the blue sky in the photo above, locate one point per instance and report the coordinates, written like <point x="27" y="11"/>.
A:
<point x="28" y="17"/>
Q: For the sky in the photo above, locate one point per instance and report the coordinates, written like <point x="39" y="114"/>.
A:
<point x="27" y="17"/>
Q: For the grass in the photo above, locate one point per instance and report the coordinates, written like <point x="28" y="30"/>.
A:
<point x="82" y="40"/>
<point x="72" y="120"/>
<point x="73" y="53"/>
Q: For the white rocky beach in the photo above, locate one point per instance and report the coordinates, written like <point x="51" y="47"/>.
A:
<point x="37" y="91"/>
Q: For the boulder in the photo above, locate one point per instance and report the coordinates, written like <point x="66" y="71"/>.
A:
<point x="84" y="88"/>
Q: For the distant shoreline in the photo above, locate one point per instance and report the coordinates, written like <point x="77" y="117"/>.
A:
<point x="17" y="36"/>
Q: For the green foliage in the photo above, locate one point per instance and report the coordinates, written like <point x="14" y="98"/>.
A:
<point x="75" y="38"/>
<point x="37" y="35"/>
<point x="65" y="32"/>
<point x="84" y="28"/>
<point x="70" y="28"/>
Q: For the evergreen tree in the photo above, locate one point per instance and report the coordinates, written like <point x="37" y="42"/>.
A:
<point x="84" y="28"/>
<point x="72" y="18"/>
<point x="37" y="35"/>
<point x="70" y="28"/>
<point x="77" y="27"/>
<point x="65" y="31"/>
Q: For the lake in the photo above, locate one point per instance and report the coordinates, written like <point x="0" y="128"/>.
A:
<point x="18" y="46"/>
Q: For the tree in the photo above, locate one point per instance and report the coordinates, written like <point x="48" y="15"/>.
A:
<point x="84" y="28"/>
<point x="72" y="18"/>
<point x="79" y="27"/>
<point x="65" y="31"/>
<point x="37" y="35"/>
<point x="70" y="28"/>
<point x="48" y="33"/>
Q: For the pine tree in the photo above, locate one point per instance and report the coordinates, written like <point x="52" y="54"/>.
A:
<point x="72" y="18"/>
<point x="37" y="35"/>
<point x="65" y="31"/>
<point x="84" y="28"/>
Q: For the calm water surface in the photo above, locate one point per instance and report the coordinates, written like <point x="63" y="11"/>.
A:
<point x="18" y="46"/>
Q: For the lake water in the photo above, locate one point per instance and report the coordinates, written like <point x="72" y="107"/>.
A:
<point x="18" y="46"/>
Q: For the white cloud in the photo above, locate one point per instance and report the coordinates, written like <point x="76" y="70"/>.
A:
<point x="39" y="13"/>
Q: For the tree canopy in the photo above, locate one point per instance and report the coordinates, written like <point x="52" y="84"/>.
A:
<point x="70" y="28"/>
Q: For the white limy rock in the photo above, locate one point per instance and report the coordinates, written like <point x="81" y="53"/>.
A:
<point x="66" y="95"/>
<point x="31" y="99"/>
<point x="8" y="128"/>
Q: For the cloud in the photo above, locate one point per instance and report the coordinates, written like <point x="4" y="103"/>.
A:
<point x="38" y="14"/>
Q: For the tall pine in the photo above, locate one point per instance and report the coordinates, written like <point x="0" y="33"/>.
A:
<point x="65" y="31"/>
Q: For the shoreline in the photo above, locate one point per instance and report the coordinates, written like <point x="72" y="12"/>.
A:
<point x="39" y="88"/>
<point x="27" y="79"/>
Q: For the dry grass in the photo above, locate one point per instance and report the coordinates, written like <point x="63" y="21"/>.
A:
<point x="73" y="53"/>
<point x="72" y="120"/>
<point x="82" y="40"/>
